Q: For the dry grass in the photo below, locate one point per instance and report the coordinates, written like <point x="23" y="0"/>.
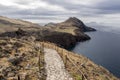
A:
<point x="77" y="65"/>
<point x="7" y="25"/>
<point x="65" y="29"/>
<point x="17" y="21"/>
<point x="29" y="67"/>
<point x="84" y="67"/>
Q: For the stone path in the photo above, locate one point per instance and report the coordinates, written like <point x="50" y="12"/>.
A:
<point x="54" y="66"/>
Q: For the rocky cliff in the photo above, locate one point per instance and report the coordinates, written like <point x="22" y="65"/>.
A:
<point x="64" y="34"/>
<point x="75" y="22"/>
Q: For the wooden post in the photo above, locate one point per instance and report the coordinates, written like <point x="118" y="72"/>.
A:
<point x="62" y="53"/>
<point x="65" y="60"/>
<point x="18" y="77"/>
<point x="82" y="77"/>
<point x="39" y="63"/>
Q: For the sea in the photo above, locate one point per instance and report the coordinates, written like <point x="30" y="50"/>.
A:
<point x="103" y="48"/>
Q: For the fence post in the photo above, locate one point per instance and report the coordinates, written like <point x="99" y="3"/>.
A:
<point x="39" y="63"/>
<point x="82" y="77"/>
<point x="65" y="60"/>
<point x="18" y="77"/>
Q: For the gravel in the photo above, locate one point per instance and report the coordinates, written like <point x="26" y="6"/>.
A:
<point x="55" y="67"/>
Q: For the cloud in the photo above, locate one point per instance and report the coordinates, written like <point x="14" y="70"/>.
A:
<point x="107" y="7"/>
<point x="98" y="10"/>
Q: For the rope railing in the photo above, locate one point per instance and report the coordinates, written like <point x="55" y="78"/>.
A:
<point x="65" y="55"/>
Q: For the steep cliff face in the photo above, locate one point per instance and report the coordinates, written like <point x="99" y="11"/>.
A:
<point x="72" y="26"/>
<point x="65" y="40"/>
<point x="64" y="34"/>
<point x="62" y="39"/>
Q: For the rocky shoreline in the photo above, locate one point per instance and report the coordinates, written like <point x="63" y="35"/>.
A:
<point x="65" y="34"/>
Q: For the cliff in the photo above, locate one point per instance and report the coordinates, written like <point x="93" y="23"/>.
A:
<point x="65" y="34"/>
<point x="22" y="50"/>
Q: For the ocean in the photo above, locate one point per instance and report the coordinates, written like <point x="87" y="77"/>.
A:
<point x="103" y="49"/>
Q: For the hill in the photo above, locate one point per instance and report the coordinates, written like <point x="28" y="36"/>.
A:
<point x="66" y="34"/>
<point x="23" y="46"/>
<point x="8" y="24"/>
<point x="24" y="59"/>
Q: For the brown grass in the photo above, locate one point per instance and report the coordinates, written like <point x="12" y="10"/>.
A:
<point x="81" y="67"/>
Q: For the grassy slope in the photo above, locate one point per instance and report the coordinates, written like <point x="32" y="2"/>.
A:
<point x="88" y="68"/>
<point x="7" y="24"/>
<point x="29" y="67"/>
<point x="20" y="58"/>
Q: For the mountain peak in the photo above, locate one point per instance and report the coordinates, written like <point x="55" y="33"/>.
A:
<point x="73" y="20"/>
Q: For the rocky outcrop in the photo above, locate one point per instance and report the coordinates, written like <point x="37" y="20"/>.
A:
<point x="20" y="32"/>
<point x="64" y="31"/>
<point x="75" y="22"/>
<point x="64" y="34"/>
<point x="65" y="40"/>
<point x="62" y="39"/>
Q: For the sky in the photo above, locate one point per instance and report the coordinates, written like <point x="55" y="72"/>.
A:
<point x="44" y="11"/>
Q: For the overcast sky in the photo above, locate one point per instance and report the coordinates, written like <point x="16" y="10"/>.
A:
<point x="43" y="11"/>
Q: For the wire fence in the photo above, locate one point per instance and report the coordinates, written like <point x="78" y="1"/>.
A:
<point x="65" y="56"/>
<point x="62" y="52"/>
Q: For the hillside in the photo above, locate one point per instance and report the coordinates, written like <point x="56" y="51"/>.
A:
<point x="8" y="24"/>
<point x="64" y="34"/>
<point x="24" y="47"/>
<point x="71" y="25"/>
<point x="25" y="59"/>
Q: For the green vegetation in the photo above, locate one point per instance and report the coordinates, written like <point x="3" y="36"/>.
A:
<point x="77" y="76"/>
<point x="66" y="30"/>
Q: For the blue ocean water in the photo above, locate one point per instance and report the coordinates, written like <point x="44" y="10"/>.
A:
<point x="103" y="49"/>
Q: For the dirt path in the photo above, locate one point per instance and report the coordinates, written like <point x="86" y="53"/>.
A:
<point x="54" y="66"/>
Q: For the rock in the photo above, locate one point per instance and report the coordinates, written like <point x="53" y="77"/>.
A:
<point x="20" y="32"/>
<point x="13" y="78"/>
<point x="17" y="54"/>
<point x="11" y="74"/>
<point x="2" y="77"/>
<point x="28" y="66"/>
<point x="23" y="76"/>
<point x="31" y="38"/>
<point x="15" y="60"/>
<point x="8" y="71"/>
<point x="65" y="40"/>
